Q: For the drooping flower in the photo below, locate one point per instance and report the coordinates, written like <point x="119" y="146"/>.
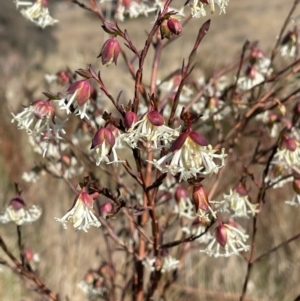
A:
<point x="103" y="145"/>
<point x="191" y="156"/>
<point x="19" y="213"/>
<point x="289" y="153"/>
<point x="150" y="129"/>
<point x="81" y="215"/>
<point x="184" y="206"/>
<point x="39" y="119"/>
<point x="198" y="7"/>
<point x="289" y="44"/>
<point x="228" y="240"/>
<point x="93" y="285"/>
<point x="110" y="52"/>
<point x="80" y="93"/>
<point x="237" y="203"/>
<point x="165" y="264"/>
<point x="202" y="205"/>
<point x="38" y="13"/>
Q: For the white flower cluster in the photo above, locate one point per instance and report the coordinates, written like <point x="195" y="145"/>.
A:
<point x="37" y="12"/>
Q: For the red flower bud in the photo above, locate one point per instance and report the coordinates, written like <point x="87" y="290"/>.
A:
<point x="17" y="203"/>
<point x="289" y="143"/>
<point x="63" y="77"/>
<point x="101" y="136"/>
<point x="180" y="193"/>
<point x="106" y="210"/>
<point x="43" y="109"/>
<point x="221" y="235"/>
<point x="110" y="51"/>
<point x="155" y="118"/>
<point x="86" y="199"/>
<point x="241" y="189"/>
<point x="83" y="90"/>
<point x="130" y="118"/>
<point x="174" y="26"/>
<point x="200" y="197"/>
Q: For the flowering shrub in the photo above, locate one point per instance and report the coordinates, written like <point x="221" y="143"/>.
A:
<point x="178" y="139"/>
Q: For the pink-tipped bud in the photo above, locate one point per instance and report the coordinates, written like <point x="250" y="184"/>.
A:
<point x="200" y="197"/>
<point x="17" y="203"/>
<point x="89" y="278"/>
<point x="165" y="32"/>
<point x="28" y="255"/>
<point x="289" y="143"/>
<point x="63" y="77"/>
<point x="106" y="210"/>
<point x="83" y="90"/>
<point x="103" y="135"/>
<point x="86" y="199"/>
<point x="107" y="270"/>
<point x="43" y="109"/>
<point x="44" y="3"/>
<point x="221" y="235"/>
<point x="126" y="3"/>
<point x="174" y="26"/>
<point x="251" y="72"/>
<point x="110" y="52"/>
<point x="296" y="186"/>
<point x="155" y="118"/>
<point x="180" y="193"/>
<point x="257" y="54"/>
<point x="241" y="189"/>
<point x="130" y="119"/>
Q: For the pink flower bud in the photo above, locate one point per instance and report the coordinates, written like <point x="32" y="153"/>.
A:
<point x="257" y="54"/>
<point x="83" y="90"/>
<point x="86" y="199"/>
<point x="200" y="197"/>
<point x="106" y="210"/>
<point x="241" y="189"/>
<point x="110" y="52"/>
<point x="17" y="203"/>
<point x="63" y="77"/>
<point x="43" y="109"/>
<point x="103" y="135"/>
<point x="155" y="118"/>
<point x="289" y="143"/>
<point x="180" y="193"/>
<point x="174" y="26"/>
<point x="221" y="235"/>
<point x="130" y="119"/>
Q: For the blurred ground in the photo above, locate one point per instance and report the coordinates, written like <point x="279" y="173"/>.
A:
<point x="27" y="53"/>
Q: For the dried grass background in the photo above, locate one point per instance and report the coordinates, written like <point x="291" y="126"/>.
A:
<point x="27" y="53"/>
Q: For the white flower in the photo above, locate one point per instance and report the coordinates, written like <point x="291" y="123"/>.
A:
<point x="150" y="129"/>
<point x="295" y="201"/>
<point x="38" y="118"/>
<point x="103" y="145"/>
<point x="79" y="98"/>
<point x="228" y="240"/>
<point x="38" y="13"/>
<point x="81" y="214"/>
<point x="238" y="204"/>
<point x="289" y="154"/>
<point x="18" y="213"/>
<point x="22" y="3"/>
<point x="32" y="176"/>
<point x="166" y="264"/>
<point x="191" y="156"/>
<point x="252" y="78"/>
<point x="92" y="286"/>
<point x="198" y="7"/>
<point x="289" y="44"/>
<point x="185" y="208"/>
